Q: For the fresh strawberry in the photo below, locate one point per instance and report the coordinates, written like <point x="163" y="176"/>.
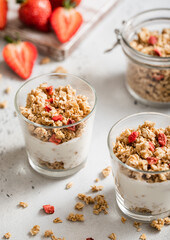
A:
<point x="3" y="13"/>
<point x="20" y="57"/>
<point x="61" y="3"/>
<point x="65" y="23"/>
<point x="35" y="13"/>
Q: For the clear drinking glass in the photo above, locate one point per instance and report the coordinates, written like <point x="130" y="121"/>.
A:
<point x="136" y="196"/>
<point x="142" y="68"/>
<point x="44" y="156"/>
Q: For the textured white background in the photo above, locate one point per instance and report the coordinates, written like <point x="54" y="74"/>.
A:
<point x="106" y="74"/>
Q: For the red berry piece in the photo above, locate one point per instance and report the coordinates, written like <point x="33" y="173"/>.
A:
<point x="73" y="128"/>
<point x="48" y="209"/>
<point x="48" y="108"/>
<point x="89" y="238"/>
<point x="152" y="40"/>
<point x="55" y="140"/>
<point x="57" y="118"/>
<point x="158" y="52"/>
<point x="152" y="160"/>
<point x="162" y="139"/>
<point x="49" y="100"/>
<point x="132" y="137"/>
<point x="49" y="90"/>
<point x="151" y="147"/>
<point x="158" y="77"/>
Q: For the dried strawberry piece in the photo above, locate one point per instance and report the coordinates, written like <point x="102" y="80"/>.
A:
<point x="89" y="238"/>
<point x="157" y="77"/>
<point x="48" y="108"/>
<point x="157" y="52"/>
<point x="57" y="118"/>
<point x="48" y="209"/>
<point x="152" y="160"/>
<point x="162" y="139"/>
<point x="151" y="147"/>
<point x="55" y="140"/>
<point x="152" y="40"/>
<point x="73" y="128"/>
<point x="49" y="90"/>
<point x="49" y="100"/>
<point x="132" y="137"/>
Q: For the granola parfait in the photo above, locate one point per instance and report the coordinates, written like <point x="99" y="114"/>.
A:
<point x="139" y="146"/>
<point x="145" y="40"/>
<point x="56" y="112"/>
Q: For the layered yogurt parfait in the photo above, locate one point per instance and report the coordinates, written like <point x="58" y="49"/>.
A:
<point x="58" y="121"/>
<point x="141" y="165"/>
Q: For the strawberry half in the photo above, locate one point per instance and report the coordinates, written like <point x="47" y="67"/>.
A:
<point x="65" y="23"/>
<point x="3" y="13"/>
<point x="35" y="13"/>
<point x="20" y="57"/>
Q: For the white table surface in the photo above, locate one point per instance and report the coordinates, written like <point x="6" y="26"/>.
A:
<point x="106" y="73"/>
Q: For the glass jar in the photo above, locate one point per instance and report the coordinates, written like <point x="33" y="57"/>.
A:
<point x="141" y="68"/>
<point x="140" y="194"/>
<point x="46" y="154"/>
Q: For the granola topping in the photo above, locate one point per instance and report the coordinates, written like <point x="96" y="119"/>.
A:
<point x="69" y="185"/>
<point x="35" y="230"/>
<point x="79" y="206"/>
<point x="75" y="217"/>
<point x="112" y="236"/>
<point x="57" y="220"/>
<point x="106" y="172"/>
<point x="101" y="205"/>
<point x="143" y="237"/>
<point x="85" y="198"/>
<point x="123" y="219"/>
<point x="96" y="188"/>
<point x="7" y="235"/>
<point x="48" y="233"/>
<point x="23" y="204"/>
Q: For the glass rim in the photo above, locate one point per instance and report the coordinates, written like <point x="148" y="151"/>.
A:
<point x="54" y="127"/>
<point x="113" y="156"/>
<point x="140" y="54"/>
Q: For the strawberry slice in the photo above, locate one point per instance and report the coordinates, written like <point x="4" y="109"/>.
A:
<point x="57" y="118"/>
<point x="48" y="108"/>
<point x="162" y="139"/>
<point x="132" y="137"/>
<point x="152" y="160"/>
<point x="48" y="209"/>
<point x="3" y="13"/>
<point x="49" y="90"/>
<point x="73" y="128"/>
<point x="151" y="147"/>
<point x="157" y="52"/>
<point x="49" y="100"/>
<point x="65" y="23"/>
<point x="20" y="57"/>
<point x="152" y="40"/>
<point x="55" y="140"/>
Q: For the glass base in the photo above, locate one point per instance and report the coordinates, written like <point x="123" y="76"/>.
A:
<point x="144" y="101"/>
<point x="144" y="217"/>
<point x="57" y="173"/>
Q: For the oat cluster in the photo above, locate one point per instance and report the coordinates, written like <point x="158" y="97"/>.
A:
<point x="55" y="107"/>
<point x="85" y="198"/>
<point x="106" y="172"/>
<point x="101" y="205"/>
<point x="159" y="223"/>
<point x="48" y="233"/>
<point x="96" y="188"/>
<point x="35" y="230"/>
<point x="75" y="217"/>
<point x="7" y="235"/>
<point x="57" y="220"/>
<point x="150" y="151"/>
<point x="79" y="206"/>
<point x="137" y="225"/>
<point x="143" y="237"/>
<point x="3" y="104"/>
<point x="69" y="185"/>
<point x="123" y="219"/>
<point x="112" y="236"/>
<point x="150" y="83"/>
<point x="23" y="204"/>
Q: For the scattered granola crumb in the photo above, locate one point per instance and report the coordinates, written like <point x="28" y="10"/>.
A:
<point x="143" y="237"/>
<point x="57" y="220"/>
<point x="60" y="70"/>
<point x="3" y="104"/>
<point x="69" y="185"/>
<point x="106" y="171"/>
<point x="112" y="236"/>
<point x="45" y="60"/>
<point x="137" y="226"/>
<point x="7" y="235"/>
<point x="96" y="188"/>
<point x="85" y="198"/>
<point x="167" y="221"/>
<point x="35" y="230"/>
<point x="79" y="206"/>
<point x="23" y="204"/>
<point x="158" y="224"/>
<point x="100" y="205"/>
<point x="75" y="217"/>
<point x="48" y="233"/>
<point x="55" y="238"/>
<point x="7" y="90"/>
<point x="123" y="219"/>
<point x="96" y="180"/>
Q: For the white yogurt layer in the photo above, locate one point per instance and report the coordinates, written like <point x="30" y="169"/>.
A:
<point x="71" y="153"/>
<point x="140" y="194"/>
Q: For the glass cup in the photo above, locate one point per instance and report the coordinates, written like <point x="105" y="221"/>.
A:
<point x="138" y="194"/>
<point x="45" y="156"/>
